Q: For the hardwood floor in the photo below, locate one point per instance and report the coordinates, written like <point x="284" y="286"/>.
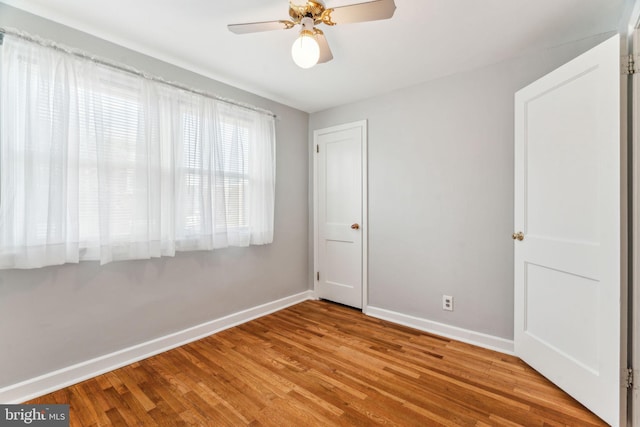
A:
<point x="321" y="364"/>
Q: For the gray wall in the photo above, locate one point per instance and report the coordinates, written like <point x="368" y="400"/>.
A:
<point x="53" y="317"/>
<point x="441" y="191"/>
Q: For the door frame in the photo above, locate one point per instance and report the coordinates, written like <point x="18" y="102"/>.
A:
<point x="634" y="222"/>
<point x="630" y="45"/>
<point x="362" y="124"/>
<point x="634" y="306"/>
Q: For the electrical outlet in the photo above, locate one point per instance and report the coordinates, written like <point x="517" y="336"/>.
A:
<point x="447" y="302"/>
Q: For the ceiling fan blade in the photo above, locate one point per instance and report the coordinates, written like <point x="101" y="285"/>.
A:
<point x="361" y="12"/>
<point x="255" y="27"/>
<point x="325" y="50"/>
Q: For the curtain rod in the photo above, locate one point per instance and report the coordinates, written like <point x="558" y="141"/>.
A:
<point x="128" y="69"/>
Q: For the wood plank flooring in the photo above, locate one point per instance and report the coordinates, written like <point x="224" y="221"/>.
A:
<point x="322" y="364"/>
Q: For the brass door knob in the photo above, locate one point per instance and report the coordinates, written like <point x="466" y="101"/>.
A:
<point x="518" y="236"/>
<point x="355" y="226"/>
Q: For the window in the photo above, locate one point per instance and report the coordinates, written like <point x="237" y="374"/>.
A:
<point x="230" y="178"/>
<point x="97" y="163"/>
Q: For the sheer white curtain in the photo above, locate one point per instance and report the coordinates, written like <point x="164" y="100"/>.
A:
<point x="101" y="164"/>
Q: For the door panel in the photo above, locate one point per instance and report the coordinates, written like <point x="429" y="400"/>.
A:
<point x="339" y="213"/>
<point x="567" y="203"/>
<point x="569" y="168"/>
<point x="558" y="325"/>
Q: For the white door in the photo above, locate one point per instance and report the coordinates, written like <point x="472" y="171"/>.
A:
<point x="568" y="208"/>
<point x="340" y="213"/>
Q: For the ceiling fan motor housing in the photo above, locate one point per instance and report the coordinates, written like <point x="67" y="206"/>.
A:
<point x="312" y="9"/>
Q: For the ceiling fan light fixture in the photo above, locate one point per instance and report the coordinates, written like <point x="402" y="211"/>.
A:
<point x="311" y="47"/>
<point x="305" y="50"/>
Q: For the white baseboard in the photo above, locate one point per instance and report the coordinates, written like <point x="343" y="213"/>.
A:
<point x="471" y="337"/>
<point x="47" y="383"/>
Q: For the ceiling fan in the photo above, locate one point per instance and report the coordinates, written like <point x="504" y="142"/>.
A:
<point x="311" y="47"/>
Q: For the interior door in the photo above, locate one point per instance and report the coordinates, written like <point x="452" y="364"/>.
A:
<point x="568" y="257"/>
<point x="340" y="213"/>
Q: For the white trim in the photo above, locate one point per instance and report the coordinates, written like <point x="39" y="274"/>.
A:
<point x="459" y="334"/>
<point x="634" y="318"/>
<point x="365" y="204"/>
<point x="47" y="383"/>
<point x="316" y="203"/>
<point x="365" y="216"/>
<point x="630" y="19"/>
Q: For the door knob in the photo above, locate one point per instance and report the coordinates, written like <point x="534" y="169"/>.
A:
<point x="518" y="236"/>
<point x="355" y="226"/>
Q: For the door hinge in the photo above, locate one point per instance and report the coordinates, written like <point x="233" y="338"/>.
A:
<point x="318" y="276"/>
<point x="317" y="148"/>
<point x="630" y="67"/>
<point x="628" y="380"/>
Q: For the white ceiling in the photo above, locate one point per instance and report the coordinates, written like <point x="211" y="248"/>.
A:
<point x="425" y="39"/>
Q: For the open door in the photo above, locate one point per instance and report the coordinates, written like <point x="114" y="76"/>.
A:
<point x="569" y="230"/>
